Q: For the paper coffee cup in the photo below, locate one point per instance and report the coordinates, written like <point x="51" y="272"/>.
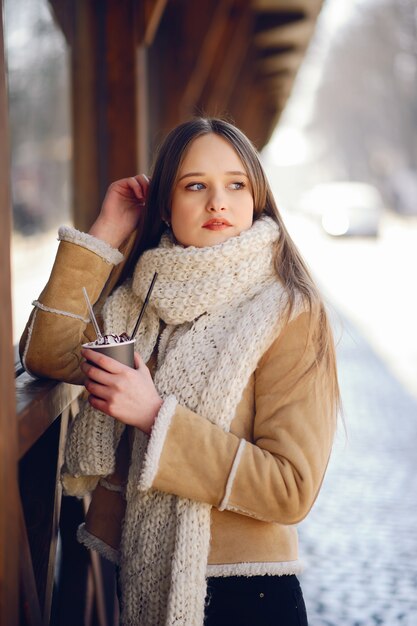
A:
<point x="121" y="352"/>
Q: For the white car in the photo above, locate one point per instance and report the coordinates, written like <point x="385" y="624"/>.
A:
<point x="345" y="208"/>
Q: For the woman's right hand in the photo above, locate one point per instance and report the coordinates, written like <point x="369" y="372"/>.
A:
<point x="121" y="209"/>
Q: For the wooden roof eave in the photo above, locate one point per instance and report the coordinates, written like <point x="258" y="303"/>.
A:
<point x="285" y="29"/>
<point x="308" y="7"/>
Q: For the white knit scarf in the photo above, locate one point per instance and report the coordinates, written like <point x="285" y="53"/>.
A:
<point x="223" y="306"/>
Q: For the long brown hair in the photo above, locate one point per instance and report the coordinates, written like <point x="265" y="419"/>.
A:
<point x="290" y="266"/>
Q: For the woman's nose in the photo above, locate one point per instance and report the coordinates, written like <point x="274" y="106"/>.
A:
<point x="216" y="202"/>
<point x="214" y="209"/>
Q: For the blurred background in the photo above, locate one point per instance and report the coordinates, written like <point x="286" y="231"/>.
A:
<point x="328" y="92"/>
<point x="40" y="129"/>
<point x="343" y="164"/>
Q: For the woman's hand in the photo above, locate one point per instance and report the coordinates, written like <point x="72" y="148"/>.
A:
<point x="121" y="209"/>
<point x="122" y="392"/>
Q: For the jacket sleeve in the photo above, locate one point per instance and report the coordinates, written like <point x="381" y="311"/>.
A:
<point x="51" y="342"/>
<point x="277" y="475"/>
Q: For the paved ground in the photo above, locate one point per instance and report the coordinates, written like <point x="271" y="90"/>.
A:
<point x="360" y="540"/>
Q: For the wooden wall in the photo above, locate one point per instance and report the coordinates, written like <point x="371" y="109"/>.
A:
<point x="8" y="428"/>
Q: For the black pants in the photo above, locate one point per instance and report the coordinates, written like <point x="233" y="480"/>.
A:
<point x="255" y="601"/>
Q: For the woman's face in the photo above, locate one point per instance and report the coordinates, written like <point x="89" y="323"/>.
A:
<point x="212" y="197"/>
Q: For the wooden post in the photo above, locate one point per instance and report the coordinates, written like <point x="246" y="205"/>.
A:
<point x="85" y="187"/>
<point x="9" y="511"/>
<point x="142" y="109"/>
<point x="103" y="102"/>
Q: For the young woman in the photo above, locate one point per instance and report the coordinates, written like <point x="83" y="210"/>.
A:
<point x="203" y="458"/>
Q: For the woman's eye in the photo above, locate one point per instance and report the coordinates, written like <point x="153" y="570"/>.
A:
<point x="195" y="186"/>
<point x="237" y="185"/>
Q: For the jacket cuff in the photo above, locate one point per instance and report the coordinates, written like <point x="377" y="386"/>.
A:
<point x="85" y="240"/>
<point x="225" y="502"/>
<point x="95" y="543"/>
<point x="156" y="443"/>
<point x="78" y="486"/>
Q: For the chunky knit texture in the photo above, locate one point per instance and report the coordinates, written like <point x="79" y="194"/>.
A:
<point x="223" y="306"/>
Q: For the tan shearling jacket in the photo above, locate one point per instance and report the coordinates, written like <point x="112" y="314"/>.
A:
<point x="287" y="422"/>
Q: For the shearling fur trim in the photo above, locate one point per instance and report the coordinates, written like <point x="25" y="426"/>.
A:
<point x="78" y="486"/>
<point x="255" y="569"/>
<point x="111" y="486"/>
<point x="232" y="475"/>
<point x="98" y="246"/>
<point x="94" y="543"/>
<point x="156" y="443"/>
<point x="242" y="511"/>
<point x="48" y="309"/>
<point x="29" y="337"/>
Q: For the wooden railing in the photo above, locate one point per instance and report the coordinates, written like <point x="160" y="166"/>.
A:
<point x="61" y="583"/>
<point x="8" y="431"/>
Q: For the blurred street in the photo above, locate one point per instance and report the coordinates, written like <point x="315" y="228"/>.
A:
<point x="360" y="539"/>
<point x="359" y="542"/>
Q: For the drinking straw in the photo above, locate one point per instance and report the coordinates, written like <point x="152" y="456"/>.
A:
<point x="144" y="305"/>
<point x="92" y="316"/>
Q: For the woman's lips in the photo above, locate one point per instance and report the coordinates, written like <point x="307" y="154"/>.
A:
<point x="219" y="224"/>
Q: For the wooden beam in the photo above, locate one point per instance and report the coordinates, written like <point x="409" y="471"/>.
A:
<point x="142" y="111"/>
<point x="210" y="45"/>
<point x="149" y="14"/>
<point x="9" y="509"/>
<point x="30" y="608"/>
<point x="172" y="57"/>
<point x="276" y="88"/>
<point x="228" y="61"/>
<point x="296" y="34"/>
<point x="288" y="61"/>
<point x="243" y="95"/>
<point x="85" y="188"/>
<point x="56" y="513"/>
<point x="117" y="90"/>
<point x="310" y="7"/>
<point x="248" y="100"/>
<point x="249" y="117"/>
<point x="38" y="483"/>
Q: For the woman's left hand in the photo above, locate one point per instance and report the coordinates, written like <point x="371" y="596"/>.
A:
<point x="129" y="395"/>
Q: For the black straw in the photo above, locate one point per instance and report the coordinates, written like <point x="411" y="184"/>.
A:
<point x="144" y="305"/>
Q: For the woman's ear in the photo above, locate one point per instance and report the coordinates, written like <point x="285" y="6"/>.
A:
<point x="166" y="217"/>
